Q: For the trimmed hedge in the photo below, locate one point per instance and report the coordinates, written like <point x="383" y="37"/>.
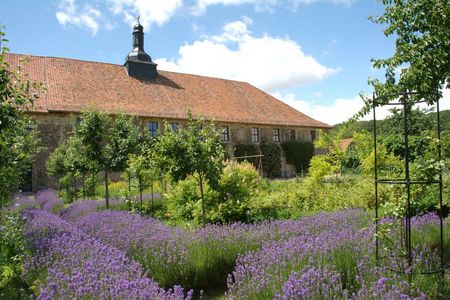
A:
<point x="298" y="154"/>
<point x="271" y="161"/>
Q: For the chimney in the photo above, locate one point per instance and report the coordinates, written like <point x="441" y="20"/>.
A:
<point x="138" y="63"/>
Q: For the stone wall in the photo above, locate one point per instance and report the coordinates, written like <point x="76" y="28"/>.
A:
<point x="53" y="130"/>
<point x="55" y="127"/>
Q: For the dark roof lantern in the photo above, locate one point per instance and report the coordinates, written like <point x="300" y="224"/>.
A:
<point x="138" y="63"/>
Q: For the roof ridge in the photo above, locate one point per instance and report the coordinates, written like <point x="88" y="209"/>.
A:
<point x="120" y="65"/>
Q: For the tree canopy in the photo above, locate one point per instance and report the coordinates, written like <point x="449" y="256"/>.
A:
<point x="18" y="139"/>
<point x="195" y="150"/>
<point x="421" y="62"/>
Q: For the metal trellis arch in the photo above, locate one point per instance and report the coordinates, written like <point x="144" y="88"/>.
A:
<point x="404" y="100"/>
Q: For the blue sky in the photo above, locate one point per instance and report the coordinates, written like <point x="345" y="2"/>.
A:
<point x="312" y="54"/>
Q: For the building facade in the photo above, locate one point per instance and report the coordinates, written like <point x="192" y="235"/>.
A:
<point x="243" y="113"/>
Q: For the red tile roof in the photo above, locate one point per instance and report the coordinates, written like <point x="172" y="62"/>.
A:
<point x="76" y="85"/>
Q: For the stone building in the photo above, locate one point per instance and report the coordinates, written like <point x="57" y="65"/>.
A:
<point x="244" y="113"/>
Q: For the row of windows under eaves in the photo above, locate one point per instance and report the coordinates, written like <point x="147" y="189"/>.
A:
<point x="153" y="129"/>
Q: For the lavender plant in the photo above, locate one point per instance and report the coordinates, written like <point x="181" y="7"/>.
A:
<point x="48" y="200"/>
<point x="334" y="263"/>
<point x="68" y="263"/>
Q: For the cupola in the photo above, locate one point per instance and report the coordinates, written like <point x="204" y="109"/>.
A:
<point x="138" y="63"/>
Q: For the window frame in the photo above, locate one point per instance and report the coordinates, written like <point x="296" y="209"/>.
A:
<point x="276" y="135"/>
<point x="174" y="126"/>
<point x="292" y="135"/>
<point x="225" y="134"/>
<point x="153" y="131"/>
<point x="255" y="134"/>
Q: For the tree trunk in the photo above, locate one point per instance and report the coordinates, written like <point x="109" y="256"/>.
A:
<point x="203" y="199"/>
<point x="129" y="181"/>
<point x="151" y="187"/>
<point x="140" y="194"/>
<point x="84" y="186"/>
<point x="106" y="190"/>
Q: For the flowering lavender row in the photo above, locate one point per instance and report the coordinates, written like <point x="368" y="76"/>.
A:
<point x="83" y="207"/>
<point x="425" y="236"/>
<point x="173" y="255"/>
<point x="48" y="199"/>
<point x="70" y="264"/>
<point x="20" y="202"/>
<point x="334" y="263"/>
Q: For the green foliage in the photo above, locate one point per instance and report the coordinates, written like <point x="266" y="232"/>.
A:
<point x="18" y="141"/>
<point x="98" y="143"/>
<point x="298" y="154"/>
<point x="238" y="185"/>
<point x="194" y="151"/>
<point x="184" y="201"/>
<point x="228" y="202"/>
<point x="143" y="168"/>
<point x="12" y="253"/>
<point x="421" y="29"/>
<point x="271" y="161"/>
<point x="241" y="150"/>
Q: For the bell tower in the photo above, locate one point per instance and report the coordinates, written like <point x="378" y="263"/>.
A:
<point x="138" y="63"/>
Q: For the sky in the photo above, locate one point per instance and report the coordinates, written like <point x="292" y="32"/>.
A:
<point x="314" y="55"/>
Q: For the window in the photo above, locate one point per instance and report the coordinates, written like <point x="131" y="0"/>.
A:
<point x="174" y="126"/>
<point x="276" y="135"/>
<point x="313" y="135"/>
<point x="292" y="135"/>
<point x="225" y="136"/>
<point x="153" y="129"/>
<point x="255" y="135"/>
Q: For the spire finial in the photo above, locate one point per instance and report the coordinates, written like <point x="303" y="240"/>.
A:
<point x="138" y="18"/>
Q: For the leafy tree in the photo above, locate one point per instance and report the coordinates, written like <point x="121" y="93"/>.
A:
<point x="18" y="141"/>
<point x="142" y="167"/>
<point x="422" y="32"/>
<point x="69" y="162"/>
<point x="195" y="150"/>
<point x="99" y="143"/>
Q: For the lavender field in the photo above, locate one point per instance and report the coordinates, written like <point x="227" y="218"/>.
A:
<point x="81" y="252"/>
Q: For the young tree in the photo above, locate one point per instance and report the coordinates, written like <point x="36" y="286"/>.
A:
<point x="107" y="142"/>
<point x="195" y="150"/>
<point x="69" y="162"/>
<point x="18" y="141"/>
<point x="422" y="31"/>
<point x="141" y="166"/>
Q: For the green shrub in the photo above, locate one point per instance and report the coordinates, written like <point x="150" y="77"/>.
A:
<point x="237" y="186"/>
<point x="12" y="252"/>
<point x="183" y="200"/>
<point x="241" y="150"/>
<point x="271" y="161"/>
<point x="228" y="202"/>
<point x="298" y="154"/>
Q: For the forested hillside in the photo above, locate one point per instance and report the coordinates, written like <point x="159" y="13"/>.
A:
<point x="368" y="125"/>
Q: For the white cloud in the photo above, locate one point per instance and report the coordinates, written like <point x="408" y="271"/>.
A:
<point x="151" y="12"/>
<point x="444" y="103"/>
<point x="86" y="16"/>
<point x="267" y="62"/>
<point x="344" y="108"/>
<point x="339" y="111"/>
